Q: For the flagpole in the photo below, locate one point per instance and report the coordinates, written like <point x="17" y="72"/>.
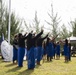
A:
<point x="9" y="21"/>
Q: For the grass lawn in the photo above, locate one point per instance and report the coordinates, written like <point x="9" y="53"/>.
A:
<point x="56" y="67"/>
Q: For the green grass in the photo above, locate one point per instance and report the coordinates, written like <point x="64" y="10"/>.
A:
<point x="56" y="67"/>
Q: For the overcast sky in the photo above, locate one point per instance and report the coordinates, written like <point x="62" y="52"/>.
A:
<point x="66" y="9"/>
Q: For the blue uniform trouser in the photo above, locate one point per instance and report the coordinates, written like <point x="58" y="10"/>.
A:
<point x="15" y="54"/>
<point x="39" y="54"/>
<point x="31" y="58"/>
<point x="21" y="53"/>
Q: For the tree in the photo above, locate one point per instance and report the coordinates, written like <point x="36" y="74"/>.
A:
<point x="28" y="27"/>
<point x="2" y="18"/>
<point x="36" y="22"/>
<point x="1" y="15"/>
<point x="73" y="25"/>
<point x="35" y="25"/>
<point x="54" y="23"/>
<point x="15" y="23"/>
<point x="64" y="33"/>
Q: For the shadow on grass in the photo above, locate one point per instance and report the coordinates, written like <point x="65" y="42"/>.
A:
<point x="14" y="69"/>
<point x="48" y="61"/>
<point x="26" y="72"/>
<point x="0" y="59"/>
<point x="9" y="65"/>
<point x="67" y="62"/>
<point x="37" y="66"/>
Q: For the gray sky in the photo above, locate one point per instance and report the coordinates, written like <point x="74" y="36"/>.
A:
<point x="66" y="9"/>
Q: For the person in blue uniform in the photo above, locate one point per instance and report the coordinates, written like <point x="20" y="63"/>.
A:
<point x="15" y="48"/>
<point x="69" y="51"/>
<point x="21" y="49"/>
<point x="54" y="49"/>
<point x="31" y="44"/>
<point x="49" y="48"/>
<point x="58" y="51"/>
<point x="40" y="49"/>
<point x="44" y="51"/>
<point x="66" y="50"/>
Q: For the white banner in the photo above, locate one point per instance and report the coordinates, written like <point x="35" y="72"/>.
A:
<point x="7" y="51"/>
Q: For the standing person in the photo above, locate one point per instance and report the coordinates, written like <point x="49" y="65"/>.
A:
<point x="21" y="49"/>
<point x="54" y="49"/>
<point x="31" y="44"/>
<point x="66" y="50"/>
<point x="15" y="48"/>
<point x="69" y="51"/>
<point x="58" y="51"/>
<point x="49" y="48"/>
<point x="44" y="51"/>
<point x="54" y="45"/>
<point x="40" y="49"/>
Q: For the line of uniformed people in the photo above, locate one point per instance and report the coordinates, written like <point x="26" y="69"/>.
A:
<point x="35" y="49"/>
